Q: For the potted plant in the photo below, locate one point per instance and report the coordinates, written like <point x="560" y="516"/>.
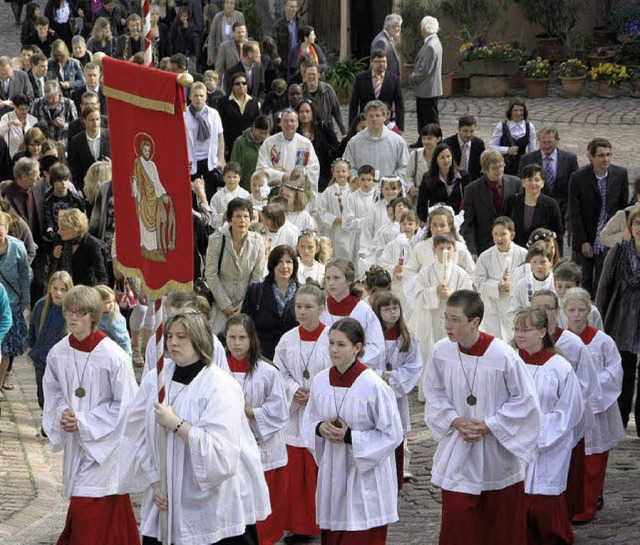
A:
<point x="608" y="76"/>
<point x="602" y="55"/>
<point x="536" y="77"/>
<point x="341" y="75"/>
<point x="572" y="74"/>
<point x="634" y="79"/>
<point x="629" y="49"/>
<point x="495" y="58"/>
<point x="557" y="18"/>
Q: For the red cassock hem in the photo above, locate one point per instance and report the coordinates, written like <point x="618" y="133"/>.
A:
<point x="547" y="520"/>
<point x="299" y="516"/>
<point x="100" y="521"/>
<point x="494" y="516"/>
<point x="372" y="536"/>
<point x="400" y="465"/>
<point x="271" y="529"/>
<point x="574" y="494"/>
<point x="595" y="469"/>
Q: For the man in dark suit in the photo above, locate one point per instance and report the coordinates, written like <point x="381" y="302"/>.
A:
<point x="473" y="147"/>
<point x="27" y="186"/>
<point x="596" y="192"/>
<point x="12" y="83"/>
<point x="252" y="67"/>
<point x="386" y="40"/>
<point x="38" y="74"/>
<point x="484" y="201"/>
<point x="558" y="166"/>
<point x="89" y="146"/>
<point x="89" y="98"/>
<point x="91" y="72"/>
<point x="377" y="79"/>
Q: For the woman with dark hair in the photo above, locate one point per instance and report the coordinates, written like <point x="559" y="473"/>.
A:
<point x="237" y="112"/>
<point x="443" y="183"/>
<point x="352" y="427"/>
<point x="322" y="136"/>
<point x="14" y="124"/>
<point x="184" y="35"/>
<point x="29" y="26"/>
<point x="271" y="303"/>
<point x="515" y="136"/>
<point x="307" y="47"/>
<point x="61" y="14"/>
<point x="530" y="209"/>
<point x="420" y="159"/>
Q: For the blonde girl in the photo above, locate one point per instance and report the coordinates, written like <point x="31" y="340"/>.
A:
<point x="308" y="265"/>
<point x="98" y="173"/>
<point x="46" y="325"/>
<point x="331" y="207"/>
<point x="112" y="322"/>
<point x="300" y="199"/>
<point x="325" y="250"/>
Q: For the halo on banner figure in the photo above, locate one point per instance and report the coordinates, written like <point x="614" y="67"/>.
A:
<point x="156" y="213"/>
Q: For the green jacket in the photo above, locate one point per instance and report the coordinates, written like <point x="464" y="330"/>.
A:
<point x="245" y="153"/>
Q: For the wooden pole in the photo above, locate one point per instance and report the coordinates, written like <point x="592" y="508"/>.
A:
<point x="164" y="515"/>
<point x="146" y="32"/>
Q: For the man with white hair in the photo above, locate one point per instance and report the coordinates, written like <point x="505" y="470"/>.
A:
<point x="387" y="40"/>
<point x="427" y="77"/>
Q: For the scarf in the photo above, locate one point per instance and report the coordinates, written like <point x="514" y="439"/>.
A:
<point x="66" y="258"/>
<point x="282" y="300"/>
<point x="204" y="132"/>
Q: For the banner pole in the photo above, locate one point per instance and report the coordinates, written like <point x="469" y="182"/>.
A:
<point x="146" y="32"/>
<point x="164" y="515"/>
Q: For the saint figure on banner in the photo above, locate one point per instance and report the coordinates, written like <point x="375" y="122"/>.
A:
<point x="156" y="213"/>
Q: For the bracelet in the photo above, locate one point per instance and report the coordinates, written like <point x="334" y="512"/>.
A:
<point x="178" y="426"/>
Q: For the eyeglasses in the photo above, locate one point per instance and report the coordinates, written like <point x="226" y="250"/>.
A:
<point x="76" y="313"/>
<point x="455" y="320"/>
<point x="239" y="83"/>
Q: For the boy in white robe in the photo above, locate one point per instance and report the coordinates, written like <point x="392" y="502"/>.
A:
<point x="331" y="206"/>
<point x="357" y="205"/>
<point x="491" y="278"/>
<point x="231" y="175"/>
<point x="483" y="411"/>
<point x="89" y="386"/>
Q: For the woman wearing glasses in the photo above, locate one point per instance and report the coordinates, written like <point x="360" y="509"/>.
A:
<point x="238" y="111"/>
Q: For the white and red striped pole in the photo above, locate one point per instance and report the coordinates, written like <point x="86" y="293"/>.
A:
<point x="146" y="32"/>
<point x="162" y="395"/>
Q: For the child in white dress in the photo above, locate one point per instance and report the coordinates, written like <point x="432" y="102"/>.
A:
<point x="355" y="212"/>
<point x="331" y="206"/>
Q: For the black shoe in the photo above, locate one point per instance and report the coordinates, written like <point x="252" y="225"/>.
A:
<point x="42" y="432"/>
<point x="297" y="538"/>
<point x="600" y="503"/>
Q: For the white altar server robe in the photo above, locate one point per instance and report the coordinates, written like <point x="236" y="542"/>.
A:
<point x="215" y="482"/>
<point x="329" y="210"/>
<point x="355" y="481"/>
<point x="561" y="410"/>
<point x="522" y="292"/>
<point x="398" y="248"/>
<point x="93" y="453"/>
<point x="290" y="355"/>
<point x="355" y="213"/>
<point x="506" y="401"/>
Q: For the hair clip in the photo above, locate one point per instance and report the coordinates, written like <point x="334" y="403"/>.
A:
<point x="293" y="187"/>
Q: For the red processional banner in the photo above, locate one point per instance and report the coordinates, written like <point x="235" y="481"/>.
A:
<point x="151" y="181"/>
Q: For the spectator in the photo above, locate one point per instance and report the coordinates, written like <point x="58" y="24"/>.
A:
<point x="386" y="40"/>
<point x="34" y="138"/>
<point x="308" y="48"/>
<point x="115" y="14"/>
<point x="29" y="25"/>
<point x="420" y="161"/>
<point x="131" y="43"/>
<point x="12" y="83"/>
<point x="285" y="34"/>
<point x="14" y="125"/>
<point x="61" y="14"/>
<point x="466" y="147"/>
<point x="79" y="50"/>
<point x="160" y="33"/>
<point x="221" y="29"/>
<point x="65" y="70"/>
<point x="515" y="136"/>
<point x="229" y="52"/>
<point x="184" y="36"/>
<point x="251" y="66"/>
<point x="55" y="111"/>
<point x="246" y="147"/>
<point x="323" y="96"/>
<point x="42" y="37"/>
<point x="37" y="74"/>
<point x="61" y="197"/>
<point x="276" y="99"/>
<point x="92" y="82"/>
<point x="98" y="173"/>
<point x="102" y="39"/>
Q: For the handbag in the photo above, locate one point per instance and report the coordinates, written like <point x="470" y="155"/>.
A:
<point x="124" y="294"/>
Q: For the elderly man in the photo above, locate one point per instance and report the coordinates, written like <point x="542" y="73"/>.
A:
<point x="285" y="34"/>
<point x="558" y="166"/>
<point x="282" y="152"/>
<point x="377" y="84"/>
<point x="229" y="52"/>
<point x="387" y="40"/>
<point x="484" y="201"/>
<point x="26" y="195"/>
<point x="55" y="110"/>
<point x="427" y="77"/>
<point x="12" y="83"/>
<point x="377" y="146"/>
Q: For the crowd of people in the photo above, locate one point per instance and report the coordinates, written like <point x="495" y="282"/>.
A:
<point x="332" y="276"/>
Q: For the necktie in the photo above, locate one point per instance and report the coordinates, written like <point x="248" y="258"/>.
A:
<point x="377" y="86"/>
<point x="549" y="174"/>
<point x="598" y="247"/>
<point x="5" y="87"/>
<point x="463" y="157"/>
<point x="496" y="196"/>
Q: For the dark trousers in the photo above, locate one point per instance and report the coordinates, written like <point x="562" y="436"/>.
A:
<point x="250" y="537"/>
<point x="40" y="368"/>
<point x="212" y="179"/>
<point x="427" y="110"/>
<point x="629" y="364"/>
<point x="591" y="270"/>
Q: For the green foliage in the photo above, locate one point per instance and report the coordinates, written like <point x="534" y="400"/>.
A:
<point x="572" y="68"/>
<point x="252" y="18"/>
<point x="342" y="74"/>
<point x="477" y="17"/>
<point x="624" y="15"/>
<point x="556" y="17"/>
<point x="629" y="51"/>
<point x="537" y="68"/>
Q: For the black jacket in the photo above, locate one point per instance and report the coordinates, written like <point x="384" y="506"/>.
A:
<point x="390" y="94"/>
<point x="477" y="147"/>
<point x="427" y="197"/>
<point x="88" y="263"/>
<point x="546" y="214"/>
<point x="325" y="144"/>
<point x="234" y="122"/>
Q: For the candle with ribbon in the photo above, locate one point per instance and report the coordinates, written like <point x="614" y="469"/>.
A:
<point x="507" y="268"/>
<point x="340" y="203"/>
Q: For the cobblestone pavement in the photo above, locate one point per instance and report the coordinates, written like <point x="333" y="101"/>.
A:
<point x="32" y="507"/>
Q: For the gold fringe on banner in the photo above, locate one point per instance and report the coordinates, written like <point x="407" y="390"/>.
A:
<point x="152" y="294"/>
<point x="147" y="103"/>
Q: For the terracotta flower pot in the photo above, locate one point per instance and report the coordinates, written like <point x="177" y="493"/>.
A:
<point x="596" y="59"/>
<point x="572" y="87"/>
<point x="635" y="87"/>
<point x="537" y="87"/>
<point x="605" y="90"/>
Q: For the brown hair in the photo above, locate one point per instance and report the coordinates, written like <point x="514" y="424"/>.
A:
<point x="387" y="299"/>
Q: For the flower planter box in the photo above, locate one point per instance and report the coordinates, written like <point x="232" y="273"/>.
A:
<point x="489" y="68"/>
<point x="489" y="86"/>
<point x="460" y="84"/>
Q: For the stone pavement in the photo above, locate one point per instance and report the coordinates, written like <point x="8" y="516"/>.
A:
<point x="32" y="507"/>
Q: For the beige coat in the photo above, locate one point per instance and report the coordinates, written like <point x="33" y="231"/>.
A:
<point x="236" y="272"/>
<point x="616" y="228"/>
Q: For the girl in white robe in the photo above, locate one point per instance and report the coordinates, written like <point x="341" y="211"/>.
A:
<point x="608" y="430"/>
<point x="300" y="355"/>
<point x="357" y="205"/>
<point x="215" y="484"/>
<point x="331" y="207"/>
<point x="352" y="427"/>
<point x="549" y="238"/>
<point x="492" y="275"/>
<point x="89" y="387"/>
<point x="342" y="302"/>
<point x="561" y="410"/>
<point x="267" y="410"/>
<point x="400" y="367"/>
<point x="308" y="266"/>
<point x="430" y="291"/>
<point x="299" y="197"/>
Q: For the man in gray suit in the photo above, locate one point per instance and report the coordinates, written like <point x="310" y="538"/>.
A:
<point x="229" y="51"/>
<point x="387" y="40"/>
<point x="427" y="77"/>
<point x="12" y="83"/>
